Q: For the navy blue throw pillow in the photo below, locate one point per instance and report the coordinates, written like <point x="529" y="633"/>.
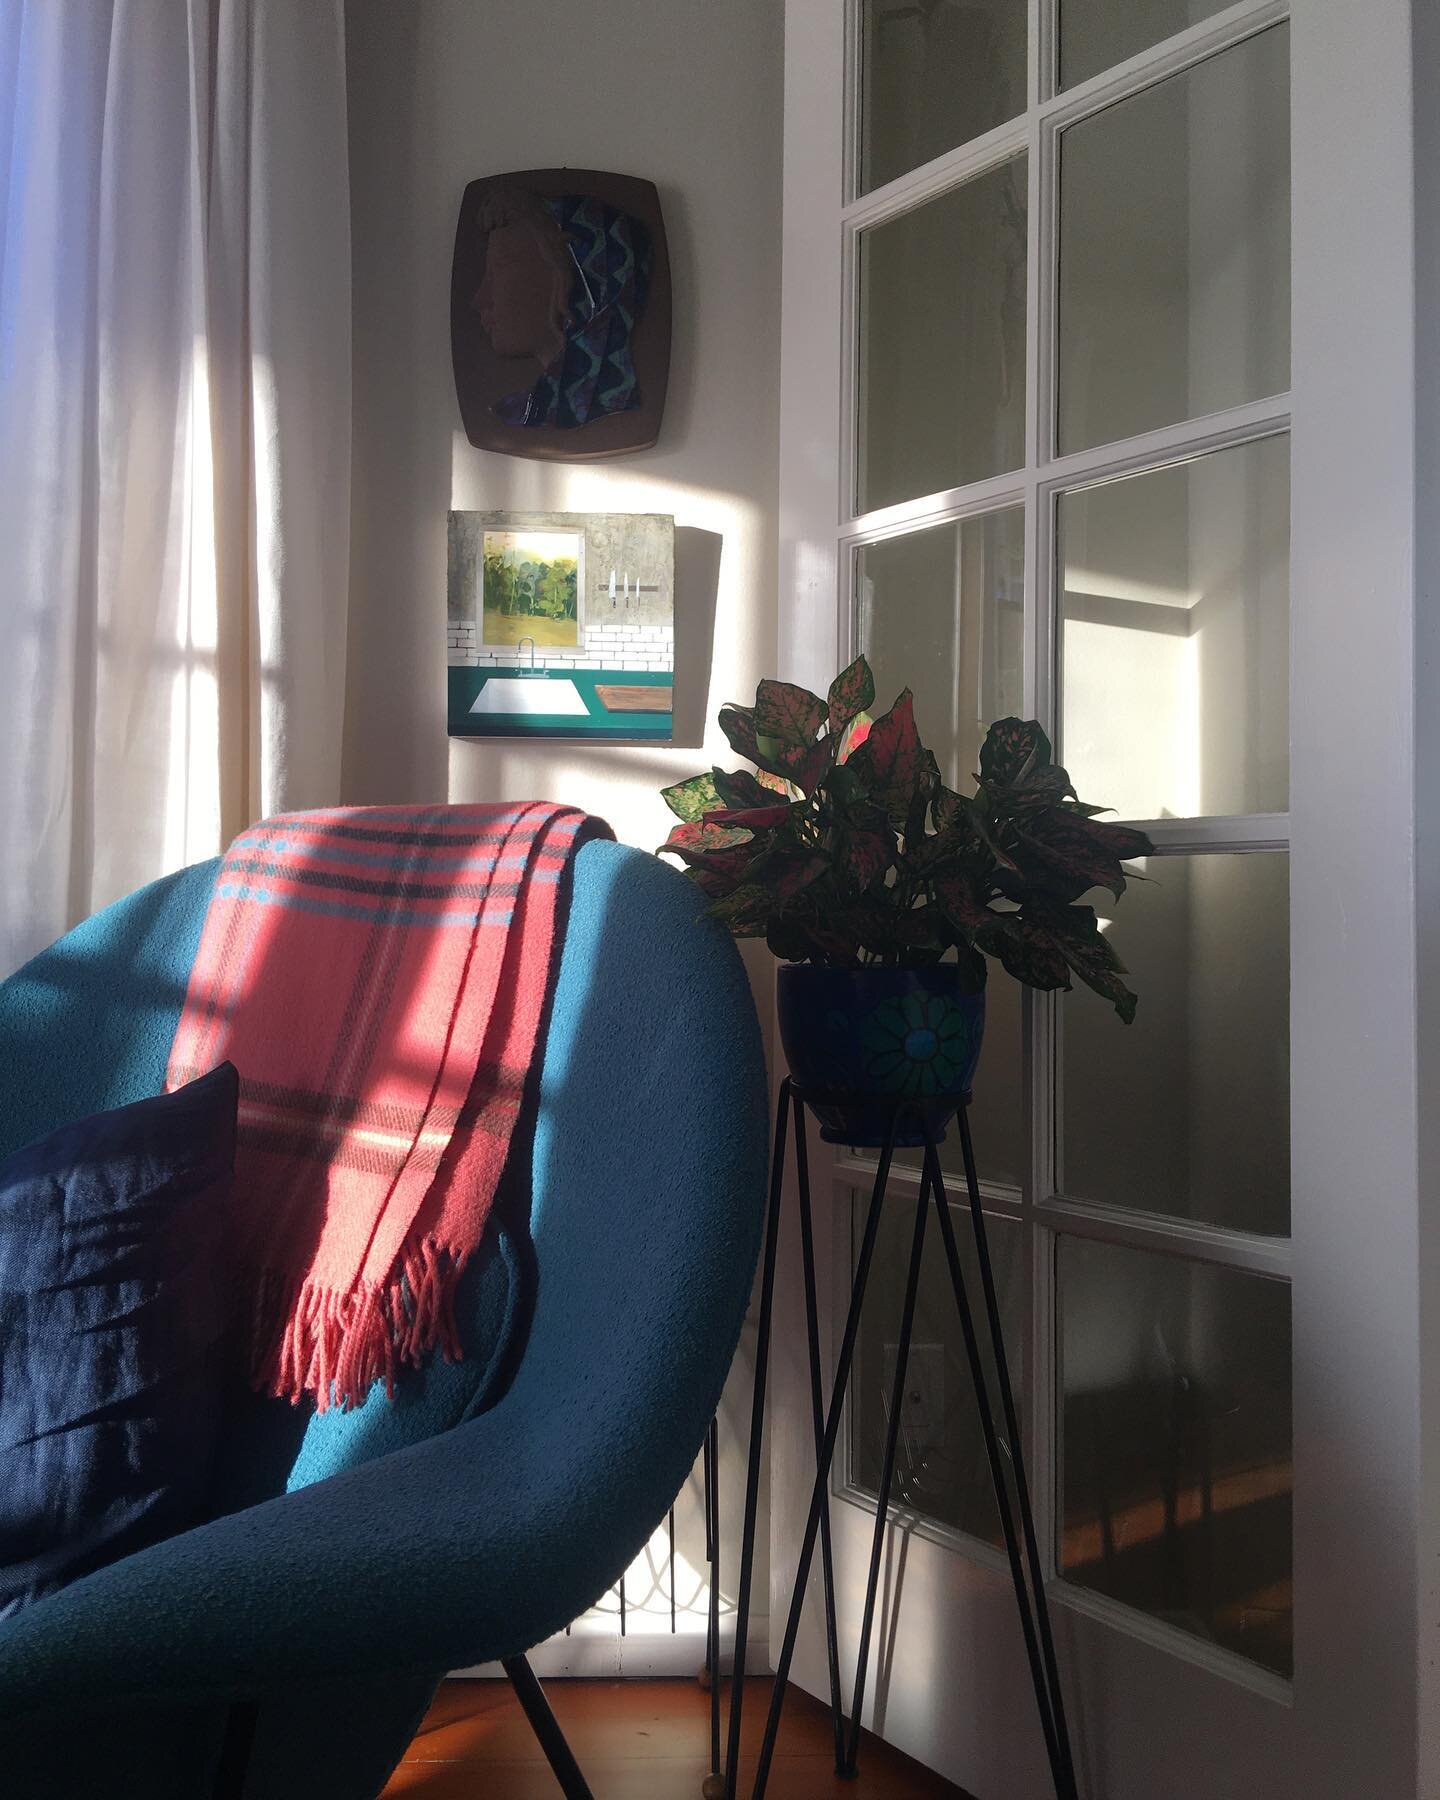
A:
<point x="113" y="1327"/>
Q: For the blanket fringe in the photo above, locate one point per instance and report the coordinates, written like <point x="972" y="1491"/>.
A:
<point x="336" y="1344"/>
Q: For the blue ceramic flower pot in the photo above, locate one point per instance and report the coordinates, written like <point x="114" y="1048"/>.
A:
<point x="867" y="1038"/>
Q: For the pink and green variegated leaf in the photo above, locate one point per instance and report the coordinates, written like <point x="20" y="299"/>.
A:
<point x="720" y="875"/>
<point x="776" y="784"/>
<point x="1013" y="748"/>
<point x="892" y="758"/>
<point x="785" y="879"/>
<point x="1045" y="940"/>
<point x="738" y="724"/>
<point x="915" y="929"/>
<point x="856" y="733"/>
<point x="927" y="779"/>
<point x="963" y="905"/>
<point x="1047" y="784"/>
<point x="868" y="856"/>
<point x="1001" y="857"/>
<point x="948" y="809"/>
<point x="790" y="939"/>
<point x="746" y="911"/>
<point x="690" y="799"/>
<point x="701" y="845"/>
<point x="789" y="714"/>
<point x="1093" y="958"/>
<point x="803" y="764"/>
<point x="740" y="788"/>
<point x="1029" y="955"/>
<point x="1066" y="855"/>
<point x="1122" y="841"/>
<point x="851" y="692"/>
<point x="750" y="818"/>
<point x="805" y="767"/>
<point x="1074" y="933"/>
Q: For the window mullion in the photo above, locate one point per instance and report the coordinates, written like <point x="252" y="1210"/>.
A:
<point x="1191" y="1239"/>
<point x="1040" y="1070"/>
<point x="1171" y="57"/>
<point x="1180" y="442"/>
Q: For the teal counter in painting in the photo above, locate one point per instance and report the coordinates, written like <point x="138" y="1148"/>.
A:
<point x="584" y="713"/>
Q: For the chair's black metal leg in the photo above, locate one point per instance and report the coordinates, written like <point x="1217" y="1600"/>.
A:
<point x="757" y="1429"/>
<point x="712" y="1629"/>
<point x="817" y="1417"/>
<point x="239" y="1740"/>
<point x="1012" y="1426"/>
<point x="1063" y="1789"/>
<point x="887" y="1474"/>
<point x="820" y="1495"/>
<point x="546" y="1728"/>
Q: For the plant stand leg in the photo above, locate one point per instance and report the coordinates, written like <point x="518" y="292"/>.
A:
<point x="713" y="1785"/>
<point x="820" y="1494"/>
<point x="1012" y="1425"/>
<point x="757" y="1432"/>
<point x="1034" y="1619"/>
<point x="817" y="1418"/>
<point x="887" y="1475"/>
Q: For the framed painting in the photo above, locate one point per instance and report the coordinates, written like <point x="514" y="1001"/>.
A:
<point x="561" y="625"/>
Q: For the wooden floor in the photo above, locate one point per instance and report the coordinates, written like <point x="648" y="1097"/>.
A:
<point x="635" y="1740"/>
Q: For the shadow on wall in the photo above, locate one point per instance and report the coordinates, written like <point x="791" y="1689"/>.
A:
<point x="697" y="586"/>
<point x="684" y="280"/>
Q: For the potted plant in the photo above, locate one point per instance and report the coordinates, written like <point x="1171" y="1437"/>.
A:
<point x="884" y="892"/>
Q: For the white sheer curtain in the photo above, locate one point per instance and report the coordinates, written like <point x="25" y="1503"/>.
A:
<point x="174" y="436"/>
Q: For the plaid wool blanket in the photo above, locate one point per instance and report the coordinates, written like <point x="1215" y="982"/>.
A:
<point x="378" y="976"/>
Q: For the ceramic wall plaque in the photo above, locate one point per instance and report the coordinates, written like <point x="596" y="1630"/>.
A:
<point x="560" y="314"/>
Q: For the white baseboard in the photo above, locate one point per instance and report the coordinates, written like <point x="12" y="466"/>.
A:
<point x="638" y="1656"/>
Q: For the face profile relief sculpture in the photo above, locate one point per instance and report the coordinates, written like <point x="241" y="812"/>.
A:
<point x="565" y="280"/>
<point x="560" y="314"/>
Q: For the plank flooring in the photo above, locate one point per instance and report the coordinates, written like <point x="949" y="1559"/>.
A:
<point x="635" y="1740"/>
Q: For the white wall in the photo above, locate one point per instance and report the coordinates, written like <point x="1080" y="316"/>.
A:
<point x="688" y="94"/>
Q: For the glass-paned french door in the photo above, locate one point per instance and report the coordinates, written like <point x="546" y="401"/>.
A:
<point x="1065" y="492"/>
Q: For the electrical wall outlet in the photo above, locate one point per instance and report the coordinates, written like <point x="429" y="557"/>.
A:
<point x="922" y="1425"/>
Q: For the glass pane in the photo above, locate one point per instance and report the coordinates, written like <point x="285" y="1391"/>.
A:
<point x="1175" y="248"/>
<point x="1177" y="1450"/>
<point x="1176" y="634"/>
<point x="1097" y="34"/>
<point x="942" y="612"/>
<point x="942" y="341"/>
<point x="935" y="76"/>
<point x="941" y="1469"/>
<point x="1187" y="1111"/>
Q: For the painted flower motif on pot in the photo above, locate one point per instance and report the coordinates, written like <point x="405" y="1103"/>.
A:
<point x="918" y="1044"/>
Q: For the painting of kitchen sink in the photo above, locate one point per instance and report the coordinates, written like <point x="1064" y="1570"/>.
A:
<point x="561" y="625"/>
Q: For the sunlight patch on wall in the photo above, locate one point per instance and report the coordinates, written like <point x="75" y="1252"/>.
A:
<point x="1132" y="719"/>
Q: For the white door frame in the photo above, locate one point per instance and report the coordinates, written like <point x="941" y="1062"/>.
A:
<point x="1365" y="1218"/>
<point x="1365" y="1019"/>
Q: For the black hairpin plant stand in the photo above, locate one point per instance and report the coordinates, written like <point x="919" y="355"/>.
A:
<point x="1012" y="1493"/>
<point x="710" y="1675"/>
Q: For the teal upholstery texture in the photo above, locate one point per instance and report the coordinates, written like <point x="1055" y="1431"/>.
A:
<point x="496" y="1499"/>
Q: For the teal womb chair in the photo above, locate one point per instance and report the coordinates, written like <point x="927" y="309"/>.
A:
<point x="291" y="1645"/>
